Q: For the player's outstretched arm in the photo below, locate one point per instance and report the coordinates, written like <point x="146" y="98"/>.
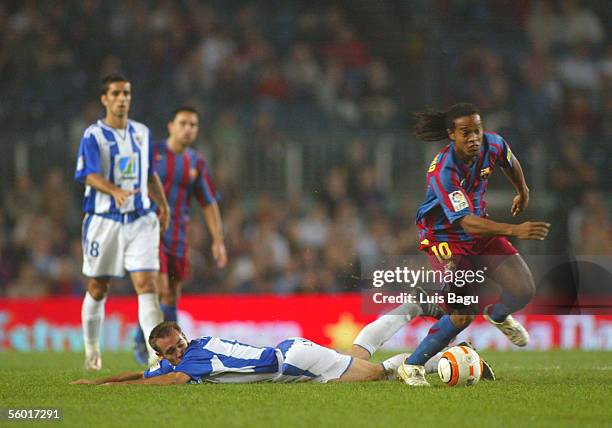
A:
<point x="116" y="378"/>
<point x="103" y="185"/>
<point x="174" y="378"/>
<point x="212" y="216"/>
<point x="484" y="227"/>
<point x="517" y="178"/>
<point x="159" y="197"/>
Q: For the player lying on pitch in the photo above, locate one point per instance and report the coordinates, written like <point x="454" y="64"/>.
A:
<point x="210" y="359"/>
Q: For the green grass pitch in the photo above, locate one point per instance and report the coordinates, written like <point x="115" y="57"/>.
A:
<point x="554" y="389"/>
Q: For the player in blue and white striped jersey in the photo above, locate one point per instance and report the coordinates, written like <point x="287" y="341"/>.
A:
<point x="211" y="359"/>
<point x="120" y="229"/>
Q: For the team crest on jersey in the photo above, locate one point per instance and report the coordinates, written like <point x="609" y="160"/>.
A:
<point x="484" y="173"/>
<point x="193" y="173"/>
<point x="458" y="200"/>
<point x="138" y="140"/>
<point x="126" y="167"/>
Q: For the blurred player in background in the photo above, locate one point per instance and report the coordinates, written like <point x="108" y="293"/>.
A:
<point x="120" y="228"/>
<point x="184" y="175"/>
<point x="210" y="359"/>
<point x="456" y="235"/>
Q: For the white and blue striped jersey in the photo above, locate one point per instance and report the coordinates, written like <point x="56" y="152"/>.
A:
<point x="212" y="359"/>
<point x="123" y="157"/>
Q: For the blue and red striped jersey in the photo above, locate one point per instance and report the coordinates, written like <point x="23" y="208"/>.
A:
<point x="455" y="189"/>
<point x="183" y="176"/>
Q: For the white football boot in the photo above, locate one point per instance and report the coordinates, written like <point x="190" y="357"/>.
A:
<point x="391" y="365"/>
<point x="93" y="361"/>
<point x="514" y="330"/>
<point x="412" y="375"/>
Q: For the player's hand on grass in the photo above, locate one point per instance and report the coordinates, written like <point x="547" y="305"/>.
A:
<point x="531" y="230"/>
<point x="219" y="253"/>
<point x="121" y="196"/>
<point x="85" y="382"/>
<point x="519" y="203"/>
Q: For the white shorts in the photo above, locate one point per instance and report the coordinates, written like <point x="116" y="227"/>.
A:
<point x="303" y="360"/>
<point x="110" y="247"/>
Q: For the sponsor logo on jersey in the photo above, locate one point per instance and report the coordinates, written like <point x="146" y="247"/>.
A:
<point x="127" y="166"/>
<point x="458" y="200"/>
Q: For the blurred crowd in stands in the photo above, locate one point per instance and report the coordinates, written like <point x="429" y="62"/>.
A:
<point x="267" y="73"/>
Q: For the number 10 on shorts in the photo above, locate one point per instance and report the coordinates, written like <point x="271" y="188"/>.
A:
<point x="442" y="251"/>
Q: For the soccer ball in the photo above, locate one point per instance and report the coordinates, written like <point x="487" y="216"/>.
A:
<point x="460" y="365"/>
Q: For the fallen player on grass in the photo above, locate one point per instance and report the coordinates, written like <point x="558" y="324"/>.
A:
<point x="211" y="359"/>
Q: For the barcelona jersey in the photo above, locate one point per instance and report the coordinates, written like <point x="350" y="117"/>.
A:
<point x="182" y="175"/>
<point x="455" y="189"/>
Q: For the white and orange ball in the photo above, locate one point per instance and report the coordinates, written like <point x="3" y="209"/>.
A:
<point x="460" y="366"/>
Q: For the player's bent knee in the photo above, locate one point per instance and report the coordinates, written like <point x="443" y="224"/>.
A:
<point x="98" y="287"/>
<point x="145" y="288"/>
<point x="144" y="282"/>
<point x="359" y="352"/>
<point x="526" y="290"/>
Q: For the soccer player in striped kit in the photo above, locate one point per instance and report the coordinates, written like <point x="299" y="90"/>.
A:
<point x="120" y="229"/>
<point x="216" y="360"/>
<point x="456" y="234"/>
<point x="184" y="175"/>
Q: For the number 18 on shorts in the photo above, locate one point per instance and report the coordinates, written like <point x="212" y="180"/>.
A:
<point x="111" y="247"/>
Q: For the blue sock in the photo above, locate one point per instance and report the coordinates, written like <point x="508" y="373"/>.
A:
<point x="440" y="334"/>
<point x="170" y="312"/>
<point x="507" y="304"/>
<point x="139" y="336"/>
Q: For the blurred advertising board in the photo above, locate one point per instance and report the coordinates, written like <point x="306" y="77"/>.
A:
<point x="331" y="320"/>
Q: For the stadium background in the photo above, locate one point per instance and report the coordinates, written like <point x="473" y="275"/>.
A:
<point x="306" y="123"/>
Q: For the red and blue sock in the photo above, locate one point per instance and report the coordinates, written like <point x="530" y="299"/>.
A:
<point x="170" y="312"/>
<point x="439" y="336"/>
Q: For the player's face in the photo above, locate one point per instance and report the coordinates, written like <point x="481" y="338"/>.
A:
<point x="117" y="99"/>
<point x="184" y="127"/>
<point x="467" y="136"/>
<point x="173" y="347"/>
